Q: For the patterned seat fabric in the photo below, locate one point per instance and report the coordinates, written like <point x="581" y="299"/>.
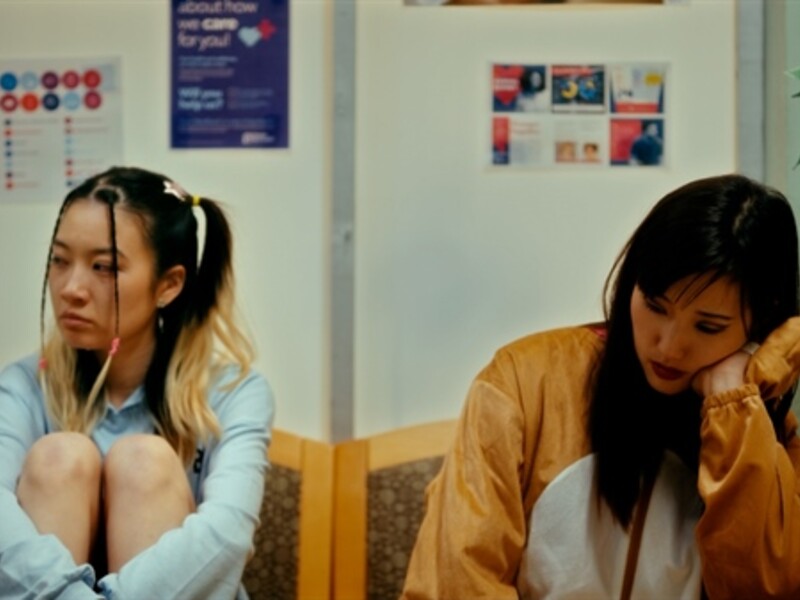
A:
<point x="396" y="500"/>
<point x="272" y="572"/>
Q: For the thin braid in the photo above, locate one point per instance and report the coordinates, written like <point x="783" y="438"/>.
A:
<point x="101" y="376"/>
<point x="114" y="266"/>
<point x="43" y="301"/>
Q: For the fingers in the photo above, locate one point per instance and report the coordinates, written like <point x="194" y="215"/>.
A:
<point x="725" y="375"/>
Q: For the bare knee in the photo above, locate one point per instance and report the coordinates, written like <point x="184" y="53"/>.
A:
<point x="146" y="494"/>
<point x="58" y="460"/>
<point x="141" y="464"/>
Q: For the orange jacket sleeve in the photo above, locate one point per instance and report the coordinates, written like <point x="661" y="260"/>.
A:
<point x="471" y="539"/>
<point x="749" y="534"/>
<point x="522" y="423"/>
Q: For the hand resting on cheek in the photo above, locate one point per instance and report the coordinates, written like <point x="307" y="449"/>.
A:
<point x="722" y="376"/>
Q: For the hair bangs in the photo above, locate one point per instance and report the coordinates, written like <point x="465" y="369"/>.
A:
<point x="681" y="250"/>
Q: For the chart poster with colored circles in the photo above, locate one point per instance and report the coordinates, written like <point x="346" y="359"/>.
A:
<point x="589" y="115"/>
<point x="61" y="123"/>
<point x="230" y="74"/>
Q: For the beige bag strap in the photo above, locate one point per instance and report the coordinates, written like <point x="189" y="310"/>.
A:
<point x="636" y="538"/>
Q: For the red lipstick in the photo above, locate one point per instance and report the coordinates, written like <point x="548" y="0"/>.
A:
<point x="665" y="372"/>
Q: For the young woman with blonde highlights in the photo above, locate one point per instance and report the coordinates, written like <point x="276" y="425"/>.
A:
<point x="133" y="446"/>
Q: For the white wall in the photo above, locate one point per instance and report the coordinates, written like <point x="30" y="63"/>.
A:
<point x="454" y="258"/>
<point x="276" y="199"/>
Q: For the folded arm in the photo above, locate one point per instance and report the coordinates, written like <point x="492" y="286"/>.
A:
<point x="31" y="565"/>
<point x="749" y="534"/>
<point x="471" y="539"/>
<point x="205" y="557"/>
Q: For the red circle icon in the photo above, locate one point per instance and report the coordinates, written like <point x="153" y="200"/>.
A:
<point x="70" y="79"/>
<point x="92" y="100"/>
<point x="30" y="102"/>
<point x="92" y="78"/>
<point x="9" y="102"/>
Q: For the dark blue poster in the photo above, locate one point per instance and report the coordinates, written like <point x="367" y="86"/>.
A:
<point x="230" y="74"/>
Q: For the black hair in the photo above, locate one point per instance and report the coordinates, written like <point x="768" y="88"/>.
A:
<point x="722" y="227"/>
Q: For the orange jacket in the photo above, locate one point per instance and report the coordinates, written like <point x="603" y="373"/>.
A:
<point x="524" y="423"/>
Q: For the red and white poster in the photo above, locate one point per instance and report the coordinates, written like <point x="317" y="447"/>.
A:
<point x="637" y="89"/>
<point x="584" y="115"/>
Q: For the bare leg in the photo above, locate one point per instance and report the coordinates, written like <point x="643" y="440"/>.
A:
<point x="146" y="493"/>
<point x="59" y="488"/>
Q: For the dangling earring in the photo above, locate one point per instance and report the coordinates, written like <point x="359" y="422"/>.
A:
<point x="160" y="318"/>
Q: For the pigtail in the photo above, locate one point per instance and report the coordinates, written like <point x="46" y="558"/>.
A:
<point x="215" y="285"/>
<point x="200" y="332"/>
<point x="214" y="262"/>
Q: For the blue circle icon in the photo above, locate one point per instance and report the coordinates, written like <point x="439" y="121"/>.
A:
<point x="72" y="100"/>
<point x="50" y="101"/>
<point x="8" y="81"/>
<point x="29" y="80"/>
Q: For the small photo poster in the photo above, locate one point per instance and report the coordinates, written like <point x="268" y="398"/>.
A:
<point x="580" y="141"/>
<point x="637" y="89"/>
<point x="521" y="88"/>
<point x="637" y="142"/>
<point x="579" y="88"/>
<point x="585" y="115"/>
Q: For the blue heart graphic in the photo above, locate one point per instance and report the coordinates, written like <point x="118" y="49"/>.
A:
<point x="250" y="36"/>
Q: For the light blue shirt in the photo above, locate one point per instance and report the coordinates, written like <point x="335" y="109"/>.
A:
<point x="202" y="559"/>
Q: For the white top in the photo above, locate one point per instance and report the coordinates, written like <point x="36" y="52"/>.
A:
<point x="576" y="550"/>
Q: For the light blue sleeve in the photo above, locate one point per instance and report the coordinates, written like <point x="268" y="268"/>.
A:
<point x="205" y="557"/>
<point x="31" y="565"/>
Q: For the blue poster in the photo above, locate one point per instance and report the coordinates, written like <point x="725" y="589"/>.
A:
<point x="230" y="74"/>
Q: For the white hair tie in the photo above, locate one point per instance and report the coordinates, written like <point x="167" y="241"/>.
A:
<point x="174" y="189"/>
